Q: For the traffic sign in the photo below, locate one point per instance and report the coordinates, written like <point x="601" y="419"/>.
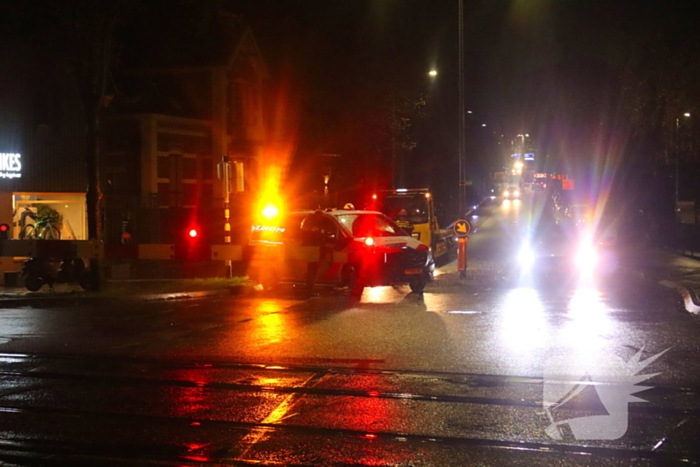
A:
<point x="462" y="228"/>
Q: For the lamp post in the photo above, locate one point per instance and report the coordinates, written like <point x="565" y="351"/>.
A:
<point x="462" y="117"/>
<point x="678" y="151"/>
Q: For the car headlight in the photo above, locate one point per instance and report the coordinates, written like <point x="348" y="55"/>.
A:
<point x="506" y="193"/>
<point x="517" y="193"/>
<point x="586" y="257"/>
<point x="526" y="256"/>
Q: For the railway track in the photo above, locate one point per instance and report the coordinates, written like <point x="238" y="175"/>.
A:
<point x="93" y="410"/>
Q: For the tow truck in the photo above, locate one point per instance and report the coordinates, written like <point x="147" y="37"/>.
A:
<point x="417" y="205"/>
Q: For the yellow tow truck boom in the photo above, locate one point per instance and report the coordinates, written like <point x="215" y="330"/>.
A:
<point x="414" y="210"/>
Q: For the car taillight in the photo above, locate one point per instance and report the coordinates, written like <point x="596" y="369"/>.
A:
<point x="369" y="241"/>
<point x="423" y="247"/>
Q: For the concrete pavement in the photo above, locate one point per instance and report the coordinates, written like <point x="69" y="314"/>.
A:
<point x="156" y="289"/>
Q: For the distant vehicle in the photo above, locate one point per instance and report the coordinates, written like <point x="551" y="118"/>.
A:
<point x="512" y="192"/>
<point x="357" y="249"/>
<point x="419" y="210"/>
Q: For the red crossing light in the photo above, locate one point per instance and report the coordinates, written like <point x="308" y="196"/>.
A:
<point x="4" y="231"/>
<point x="193" y="233"/>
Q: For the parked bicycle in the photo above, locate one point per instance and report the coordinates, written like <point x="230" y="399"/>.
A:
<point x="45" y="226"/>
<point x="40" y="230"/>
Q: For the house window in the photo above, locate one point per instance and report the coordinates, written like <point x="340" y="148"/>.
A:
<point x="189" y="191"/>
<point x="235" y="103"/>
<point x="207" y="169"/>
<point x="189" y="168"/>
<point x="207" y="195"/>
<point x="164" y="167"/>
<point x="164" y="194"/>
<point x="252" y="105"/>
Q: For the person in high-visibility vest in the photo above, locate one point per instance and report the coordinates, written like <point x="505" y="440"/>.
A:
<point x="403" y="222"/>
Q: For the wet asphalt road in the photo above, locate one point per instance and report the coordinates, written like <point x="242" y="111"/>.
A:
<point x="455" y="377"/>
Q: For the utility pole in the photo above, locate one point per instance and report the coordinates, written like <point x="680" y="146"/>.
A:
<point x="462" y="247"/>
<point x="462" y="118"/>
<point x="224" y="174"/>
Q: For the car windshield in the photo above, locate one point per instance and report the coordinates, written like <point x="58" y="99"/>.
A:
<point x="416" y="207"/>
<point x="370" y="225"/>
<point x="554" y="233"/>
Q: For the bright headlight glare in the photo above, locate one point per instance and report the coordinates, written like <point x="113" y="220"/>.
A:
<point x="586" y="257"/>
<point x="526" y="256"/>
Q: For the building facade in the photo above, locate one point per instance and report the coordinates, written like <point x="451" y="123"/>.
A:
<point x="169" y="141"/>
<point x="169" y="129"/>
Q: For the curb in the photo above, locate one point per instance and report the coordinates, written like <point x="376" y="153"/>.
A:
<point x="11" y="302"/>
<point x="690" y="300"/>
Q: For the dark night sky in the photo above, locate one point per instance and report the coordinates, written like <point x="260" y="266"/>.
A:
<point x="529" y="62"/>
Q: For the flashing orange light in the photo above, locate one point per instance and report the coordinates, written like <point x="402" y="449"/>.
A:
<point x="193" y="233"/>
<point x="270" y="211"/>
<point x="369" y="241"/>
<point x="427" y="195"/>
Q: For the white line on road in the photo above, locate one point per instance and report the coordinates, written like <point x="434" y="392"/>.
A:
<point x="278" y="414"/>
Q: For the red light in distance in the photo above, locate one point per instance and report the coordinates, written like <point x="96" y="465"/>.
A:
<point x="193" y="233"/>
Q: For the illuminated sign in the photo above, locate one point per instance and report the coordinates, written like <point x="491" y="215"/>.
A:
<point x="529" y="157"/>
<point x="10" y="165"/>
<point x="267" y="228"/>
<point x="515" y="155"/>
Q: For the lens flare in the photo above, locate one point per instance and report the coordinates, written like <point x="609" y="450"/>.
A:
<point x="270" y="211"/>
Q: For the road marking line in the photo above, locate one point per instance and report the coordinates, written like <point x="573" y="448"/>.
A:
<point x="280" y="413"/>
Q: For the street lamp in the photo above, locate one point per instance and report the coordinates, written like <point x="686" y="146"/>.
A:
<point x="678" y="151"/>
<point x="433" y="73"/>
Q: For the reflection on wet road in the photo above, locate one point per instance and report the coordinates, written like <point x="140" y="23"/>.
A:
<point x="455" y="376"/>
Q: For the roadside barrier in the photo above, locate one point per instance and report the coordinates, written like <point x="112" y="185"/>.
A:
<point x="65" y="249"/>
